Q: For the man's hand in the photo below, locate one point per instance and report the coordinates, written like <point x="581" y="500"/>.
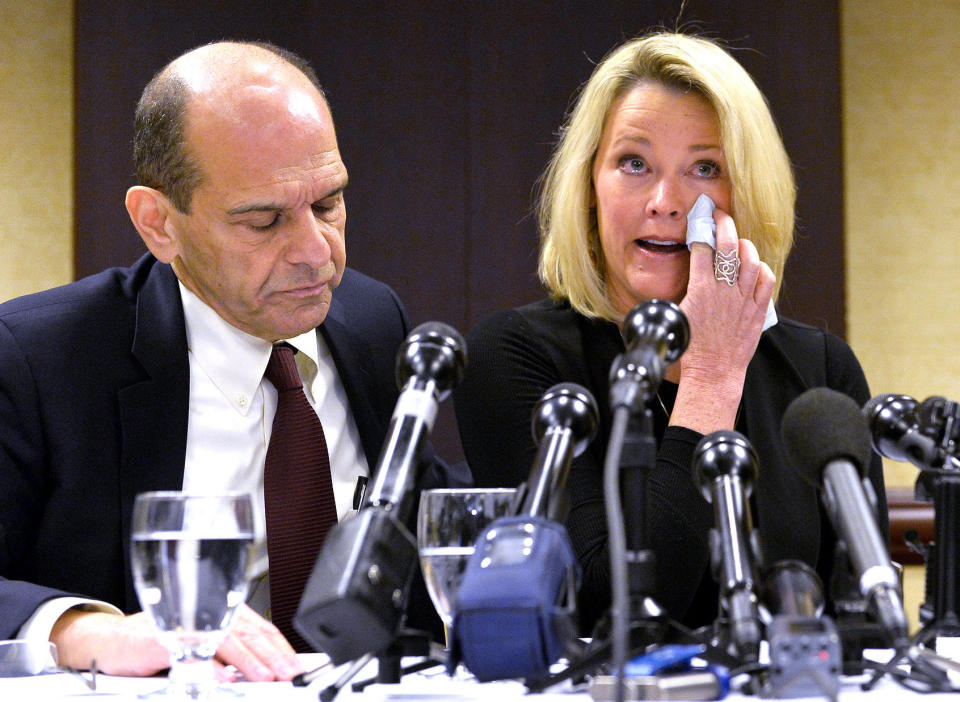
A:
<point x="257" y="649"/>
<point x="120" y="645"/>
<point x="128" y="645"/>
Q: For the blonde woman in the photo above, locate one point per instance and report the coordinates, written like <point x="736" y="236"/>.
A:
<point x="663" y="119"/>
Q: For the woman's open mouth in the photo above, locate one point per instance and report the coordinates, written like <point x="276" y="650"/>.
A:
<point x="660" y="246"/>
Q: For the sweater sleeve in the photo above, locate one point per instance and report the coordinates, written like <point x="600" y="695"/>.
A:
<point x="508" y="372"/>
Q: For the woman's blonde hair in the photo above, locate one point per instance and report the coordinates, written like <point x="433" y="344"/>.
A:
<point x="763" y="190"/>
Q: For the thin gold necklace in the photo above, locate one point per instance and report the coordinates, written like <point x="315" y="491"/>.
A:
<point x="663" y="407"/>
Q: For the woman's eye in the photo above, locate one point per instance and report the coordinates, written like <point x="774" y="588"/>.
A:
<point x="707" y="169"/>
<point x="632" y="164"/>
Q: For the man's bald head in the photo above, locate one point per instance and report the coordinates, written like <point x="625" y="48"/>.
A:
<point x="162" y="159"/>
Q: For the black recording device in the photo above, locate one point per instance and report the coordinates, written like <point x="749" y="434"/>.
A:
<point x="515" y="613"/>
<point x="804" y="645"/>
<point x="725" y="468"/>
<point x="805" y="657"/>
<point x="826" y="438"/>
<point x="354" y="601"/>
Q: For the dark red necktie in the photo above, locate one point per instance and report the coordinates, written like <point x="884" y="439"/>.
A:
<point x="298" y="493"/>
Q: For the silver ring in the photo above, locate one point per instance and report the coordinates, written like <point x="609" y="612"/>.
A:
<point x="726" y="267"/>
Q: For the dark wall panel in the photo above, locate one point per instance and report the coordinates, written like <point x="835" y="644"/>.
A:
<point x="446" y="112"/>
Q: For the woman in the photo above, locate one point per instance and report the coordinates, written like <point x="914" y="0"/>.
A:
<point x="662" y="120"/>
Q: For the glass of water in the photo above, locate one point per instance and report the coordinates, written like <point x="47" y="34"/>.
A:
<point x="449" y="522"/>
<point x="190" y="556"/>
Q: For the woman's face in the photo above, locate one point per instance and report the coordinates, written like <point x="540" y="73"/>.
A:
<point x="660" y="149"/>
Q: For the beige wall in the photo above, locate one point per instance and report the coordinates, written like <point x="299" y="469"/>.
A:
<point x="36" y="145"/>
<point x="901" y="114"/>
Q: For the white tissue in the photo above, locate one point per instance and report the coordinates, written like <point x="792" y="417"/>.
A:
<point x="702" y="227"/>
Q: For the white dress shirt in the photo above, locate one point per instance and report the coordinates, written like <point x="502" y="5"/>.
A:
<point x="230" y="420"/>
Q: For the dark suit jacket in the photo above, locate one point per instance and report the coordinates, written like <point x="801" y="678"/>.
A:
<point x="94" y="384"/>
<point x="516" y="355"/>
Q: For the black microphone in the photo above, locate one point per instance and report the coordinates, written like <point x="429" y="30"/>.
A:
<point x="827" y="440"/>
<point x="430" y="363"/>
<point x="655" y="333"/>
<point x="515" y="610"/>
<point x="355" y="598"/>
<point x="895" y="433"/>
<point x="725" y="468"/>
<point x="564" y="422"/>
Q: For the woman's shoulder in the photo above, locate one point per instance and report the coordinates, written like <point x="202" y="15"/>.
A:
<point x="801" y="338"/>
<point x="546" y="318"/>
<point x="818" y="355"/>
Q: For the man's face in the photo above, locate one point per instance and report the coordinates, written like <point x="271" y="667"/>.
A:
<point x="263" y="244"/>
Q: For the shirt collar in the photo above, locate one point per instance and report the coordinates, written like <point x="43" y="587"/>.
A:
<point x="233" y="359"/>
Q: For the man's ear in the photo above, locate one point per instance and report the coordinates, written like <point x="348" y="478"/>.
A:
<point x="152" y="214"/>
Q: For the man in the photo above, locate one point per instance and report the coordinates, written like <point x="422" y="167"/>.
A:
<point x="151" y="377"/>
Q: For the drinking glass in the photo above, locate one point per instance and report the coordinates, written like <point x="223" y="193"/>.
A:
<point x="190" y="556"/>
<point x="449" y="522"/>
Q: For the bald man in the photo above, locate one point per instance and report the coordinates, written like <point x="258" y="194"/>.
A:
<point x="151" y="377"/>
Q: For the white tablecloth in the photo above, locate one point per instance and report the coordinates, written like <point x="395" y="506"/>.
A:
<point x="430" y="685"/>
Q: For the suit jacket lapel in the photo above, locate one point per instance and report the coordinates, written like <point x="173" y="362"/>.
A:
<point x="153" y="412"/>
<point x="348" y="354"/>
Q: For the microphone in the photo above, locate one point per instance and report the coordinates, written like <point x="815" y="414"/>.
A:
<point x="836" y="460"/>
<point x="430" y="363"/>
<point x="893" y="423"/>
<point x="939" y="418"/>
<point x="356" y="595"/>
<point x="725" y="468"/>
<point x="564" y="422"/>
<point x="656" y="333"/>
<point x="514" y="614"/>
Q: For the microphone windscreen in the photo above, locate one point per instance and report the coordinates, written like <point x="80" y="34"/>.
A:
<point x="820" y="426"/>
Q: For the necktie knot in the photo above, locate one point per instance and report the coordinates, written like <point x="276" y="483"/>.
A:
<point x="282" y="369"/>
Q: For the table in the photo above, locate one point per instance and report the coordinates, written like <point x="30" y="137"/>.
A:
<point x="429" y="686"/>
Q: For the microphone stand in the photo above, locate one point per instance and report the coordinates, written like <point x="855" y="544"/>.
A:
<point x="857" y="632"/>
<point x="389" y="670"/>
<point x="943" y="558"/>
<point x="637" y="457"/>
<point x="940" y="420"/>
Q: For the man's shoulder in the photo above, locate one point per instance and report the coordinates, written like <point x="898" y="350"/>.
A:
<point x="117" y="282"/>
<point x="360" y="299"/>
<point x="355" y="283"/>
<point x="73" y="307"/>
